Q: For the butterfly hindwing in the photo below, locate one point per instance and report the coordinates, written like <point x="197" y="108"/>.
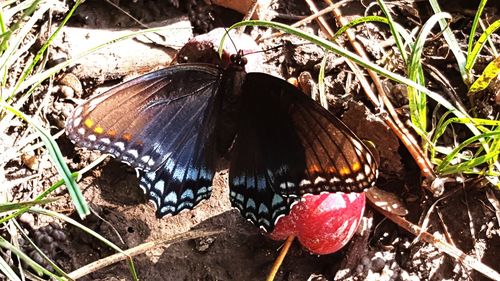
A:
<point x="287" y="146"/>
<point x="250" y="183"/>
<point x="186" y="176"/>
<point x="162" y="124"/>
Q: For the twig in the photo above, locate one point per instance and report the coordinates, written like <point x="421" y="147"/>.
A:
<point x="443" y="246"/>
<point x="251" y="11"/>
<point x="280" y="258"/>
<point x="325" y="27"/>
<point x="303" y="21"/>
<point x="99" y="264"/>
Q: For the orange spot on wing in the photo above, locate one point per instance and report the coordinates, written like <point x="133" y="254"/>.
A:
<point x="344" y="171"/>
<point x="355" y="166"/>
<point x="111" y="133"/>
<point x="127" y="136"/>
<point x="88" y="123"/>
<point x="332" y="170"/>
<point x="313" y="169"/>
<point x="98" y="130"/>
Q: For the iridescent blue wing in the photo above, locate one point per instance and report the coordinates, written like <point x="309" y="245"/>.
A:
<point x="287" y="146"/>
<point x="161" y="123"/>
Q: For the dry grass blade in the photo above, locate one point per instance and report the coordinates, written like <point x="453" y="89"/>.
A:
<point x="102" y="263"/>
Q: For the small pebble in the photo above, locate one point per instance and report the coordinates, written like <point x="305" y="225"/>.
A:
<point x="30" y="161"/>
<point x="359" y="268"/>
<point x="69" y="80"/>
<point x="27" y="218"/>
<point x="317" y="277"/>
<point x="204" y="243"/>
<point x="414" y="278"/>
<point x="365" y="261"/>
<point x="377" y="264"/>
<point x="66" y="91"/>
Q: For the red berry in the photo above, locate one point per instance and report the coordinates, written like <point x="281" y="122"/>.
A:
<point x="323" y="223"/>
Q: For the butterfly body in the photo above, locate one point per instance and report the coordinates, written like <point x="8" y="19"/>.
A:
<point x="173" y="124"/>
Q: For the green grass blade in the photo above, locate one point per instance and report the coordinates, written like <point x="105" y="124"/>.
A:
<point x="473" y="29"/>
<point x="5" y="59"/>
<point x="89" y="231"/>
<point x="58" y="160"/>
<point x="40" y="270"/>
<point x="4" y="44"/>
<point x="351" y="56"/>
<point x="44" y="47"/>
<point x="478" y="122"/>
<point x="480" y="44"/>
<point x="452" y="42"/>
<point x="7" y="271"/>
<point x="75" y="175"/>
<point x="492" y="45"/>
<point x="36" y="79"/>
<point x="400" y="31"/>
<point x="444" y="165"/>
<point x="393" y="26"/>
<point x="359" y="21"/>
<point x="54" y="266"/>
<point x="490" y="72"/>
<point x="355" y="58"/>
<point x="417" y="100"/>
<point x="7" y="207"/>
<point x="321" y="82"/>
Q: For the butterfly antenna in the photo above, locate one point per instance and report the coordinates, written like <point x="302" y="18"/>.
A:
<point x="127" y="13"/>
<point x="277" y="47"/>
<point x="222" y="24"/>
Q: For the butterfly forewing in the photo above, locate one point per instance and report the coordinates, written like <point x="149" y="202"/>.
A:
<point x="295" y="147"/>
<point x="162" y="124"/>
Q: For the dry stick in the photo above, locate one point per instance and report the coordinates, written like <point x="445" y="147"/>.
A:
<point x="303" y="21"/>
<point x="395" y="124"/>
<point x="251" y="11"/>
<point x="440" y="244"/>
<point x="325" y="27"/>
<point x="279" y="260"/>
<point x="99" y="264"/>
<point x="248" y="15"/>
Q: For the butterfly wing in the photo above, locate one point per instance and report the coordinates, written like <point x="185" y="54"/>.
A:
<point x="287" y="146"/>
<point x="161" y="123"/>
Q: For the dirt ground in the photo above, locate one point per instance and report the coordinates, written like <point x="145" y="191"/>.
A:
<point x="464" y="216"/>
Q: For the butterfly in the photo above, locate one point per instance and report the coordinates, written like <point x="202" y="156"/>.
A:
<point x="173" y="124"/>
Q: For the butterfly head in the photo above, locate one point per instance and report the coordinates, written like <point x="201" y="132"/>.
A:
<point x="238" y="59"/>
